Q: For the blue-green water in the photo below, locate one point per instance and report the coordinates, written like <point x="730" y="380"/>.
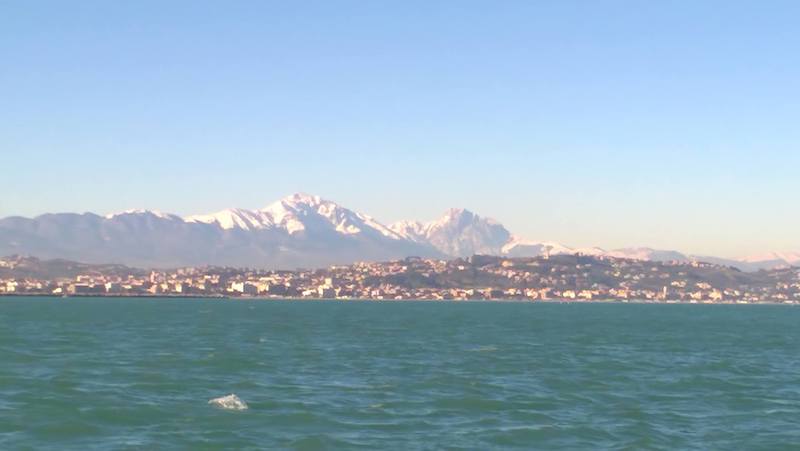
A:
<point x="137" y="374"/>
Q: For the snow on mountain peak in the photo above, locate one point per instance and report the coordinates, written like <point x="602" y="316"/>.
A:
<point x="591" y="251"/>
<point x="787" y="257"/>
<point x="141" y="212"/>
<point x="455" y="216"/>
<point x="315" y="226"/>
<point x="298" y="213"/>
<point x="305" y="199"/>
<point x="458" y="232"/>
<point x="410" y="230"/>
<point x="233" y="218"/>
<point x="647" y="253"/>
<point x="344" y="220"/>
<point x="520" y="247"/>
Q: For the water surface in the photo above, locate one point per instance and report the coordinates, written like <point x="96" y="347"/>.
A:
<point x="138" y="373"/>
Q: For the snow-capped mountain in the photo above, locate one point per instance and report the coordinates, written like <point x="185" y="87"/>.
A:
<point x="520" y="247"/>
<point x="139" y="213"/>
<point x="411" y="230"/>
<point x="298" y="231"/>
<point x="296" y="214"/>
<point x="459" y="233"/>
<point x="646" y="253"/>
<point x="782" y="258"/>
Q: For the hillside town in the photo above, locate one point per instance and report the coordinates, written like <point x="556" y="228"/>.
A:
<point x="553" y="278"/>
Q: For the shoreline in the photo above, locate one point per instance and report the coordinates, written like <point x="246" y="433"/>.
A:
<point x="312" y="299"/>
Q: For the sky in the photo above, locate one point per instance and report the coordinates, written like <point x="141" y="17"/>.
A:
<point x="667" y="124"/>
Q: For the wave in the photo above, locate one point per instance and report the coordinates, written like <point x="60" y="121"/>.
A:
<point x="230" y="402"/>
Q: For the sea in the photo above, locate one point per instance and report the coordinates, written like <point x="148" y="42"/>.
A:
<point x="138" y="374"/>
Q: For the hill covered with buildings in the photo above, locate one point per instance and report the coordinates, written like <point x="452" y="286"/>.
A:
<point x="558" y="277"/>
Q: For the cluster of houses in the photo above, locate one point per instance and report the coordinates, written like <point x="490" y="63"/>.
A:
<point x="562" y="278"/>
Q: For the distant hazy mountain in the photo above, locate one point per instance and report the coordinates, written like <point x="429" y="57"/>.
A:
<point x="458" y="233"/>
<point x="519" y="247"/>
<point x="462" y="233"/>
<point x="784" y="258"/>
<point x="646" y="253"/>
<point x="297" y="231"/>
<point x="769" y="261"/>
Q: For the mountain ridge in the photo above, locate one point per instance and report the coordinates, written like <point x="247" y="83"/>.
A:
<point x="300" y="230"/>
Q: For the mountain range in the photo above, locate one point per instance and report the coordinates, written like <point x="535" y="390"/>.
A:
<point x="298" y="231"/>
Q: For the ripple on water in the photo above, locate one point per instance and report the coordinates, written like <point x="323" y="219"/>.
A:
<point x="99" y="374"/>
<point x="487" y="348"/>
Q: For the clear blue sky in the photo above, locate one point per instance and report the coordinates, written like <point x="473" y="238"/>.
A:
<point x="672" y="124"/>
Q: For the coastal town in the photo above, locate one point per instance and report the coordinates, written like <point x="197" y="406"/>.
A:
<point x="550" y="278"/>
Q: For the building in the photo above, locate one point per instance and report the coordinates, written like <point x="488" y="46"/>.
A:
<point x="245" y="288"/>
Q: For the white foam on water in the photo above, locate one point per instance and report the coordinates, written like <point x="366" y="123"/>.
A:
<point x="484" y="349"/>
<point x="230" y="402"/>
